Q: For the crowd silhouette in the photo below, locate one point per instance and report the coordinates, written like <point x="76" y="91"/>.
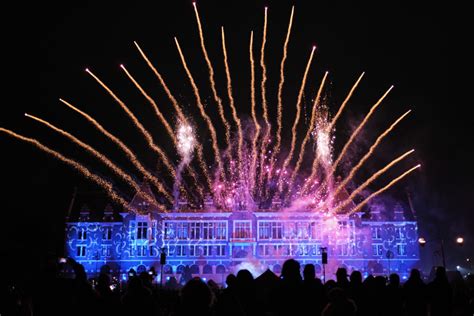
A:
<point x="291" y="293"/>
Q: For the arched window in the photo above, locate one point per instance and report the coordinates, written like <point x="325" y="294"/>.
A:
<point x="207" y="269"/>
<point x="220" y="269"/>
<point x="194" y="269"/>
<point x="167" y="269"/>
<point x="141" y="268"/>
<point x="180" y="269"/>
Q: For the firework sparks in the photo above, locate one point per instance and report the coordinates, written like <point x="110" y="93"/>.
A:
<point x="203" y="112"/>
<point x="370" y="197"/>
<point x="117" y="170"/>
<point x="369" y="153"/>
<point x="133" y="158"/>
<point x="298" y="114"/>
<point x="107" y="186"/>
<point x="211" y="78"/>
<point x="371" y="179"/>
<point x="255" y="172"/>
<point x="235" y="115"/>
<point x="139" y="125"/>
<point x="280" y="87"/>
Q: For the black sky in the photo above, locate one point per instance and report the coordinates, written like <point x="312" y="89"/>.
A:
<point x="401" y="44"/>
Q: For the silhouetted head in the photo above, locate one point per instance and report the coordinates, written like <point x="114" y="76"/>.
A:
<point x="309" y="272"/>
<point x="341" y="275"/>
<point x="441" y="273"/>
<point x="244" y="278"/>
<point x="231" y="280"/>
<point x="196" y="296"/>
<point x="103" y="280"/>
<point x="330" y="284"/>
<point x="356" y="277"/>
<point x="415" y="274"/>
<point x="394" y="279"/>
<point x="291" y="270"/>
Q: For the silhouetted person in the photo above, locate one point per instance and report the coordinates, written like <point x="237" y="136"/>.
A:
<point x="339" y="304"/>
<point x="313" y="291"/>
<point x="415" y="294"/>
<point x="247" y="294"/>
<point x="137" y="300"/>
<point x="440" y="294"/>
<point x="228" y="303"/>
<point x="356" y="290"/>
<point x="394" y="296"/>
<point x="341" y="279"/>
<point x="289" y="293"/>
<point x="108" y="302"/>
<point x="196" y="299"/>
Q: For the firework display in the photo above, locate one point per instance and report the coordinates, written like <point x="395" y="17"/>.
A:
<point x="245" y="166"/>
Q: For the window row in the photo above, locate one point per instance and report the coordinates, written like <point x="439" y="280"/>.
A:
<point x="196" y="251"/>
<point x="195" y="230"/>
<point x="397" y="232"/>
<point x="379" y="250"/>
<point x="106" y="233"/>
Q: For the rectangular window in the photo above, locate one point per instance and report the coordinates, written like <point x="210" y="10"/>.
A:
<point x="264" y="230"/>
<point x="399" y="233"/>
<point x="401" y="249"/>
<point x="142" y="228"/>
<point x="277" y="230"/>
<point x="170" y="230"/>
<point x="221" y="231"/>
<point x="152" y="251"/>
<point x="82" y="234"/>
<point x="208" y="231"/>
<point x="242" y="229"/>
<point x="182" y="231"/>
<point x="107" y="233"/>
<point x="106" y="250"/>
<point x="141" y="251"/>
<point x="181" y="250"/>
<point x="315" y="231"/>
<point x="81" y="251"/>
<point x="376" y="233"/>
<point x="195" y="230"/>
<point x="377" y="250"/>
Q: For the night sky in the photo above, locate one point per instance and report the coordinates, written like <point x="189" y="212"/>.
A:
<point x="403" y="45"/>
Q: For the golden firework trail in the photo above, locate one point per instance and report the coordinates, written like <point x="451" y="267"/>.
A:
<point x="370" y="197"/>
<point x="253" y="166"/>
<point x="297" y="117"/>
<point x="139" y="125"/>
<point x="266" y="136"/>
<point x="162" y="119"/>
<point x="158" y="113"/>
<point x="358" y="129"/>
<point x="310" y="180"/>
<point x="369" y="153"/>
<point x="181" y="117"/>
<point x="117" y="170"/>
<point x="232" y="104"/>
<point x="173" y="100"/>
<point x="218" y="100"/>
<point x="203" y="112"/>
<point x="128" y="152"/>
<point x="308" y="132"/>
<point x="371" y="179"/>
<point x="276" y="150"/>
<point x="107" y="186"/>
<point x="343" y="105"/>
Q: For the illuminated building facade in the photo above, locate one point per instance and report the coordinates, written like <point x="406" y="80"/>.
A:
<point x="213" y="243"/>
